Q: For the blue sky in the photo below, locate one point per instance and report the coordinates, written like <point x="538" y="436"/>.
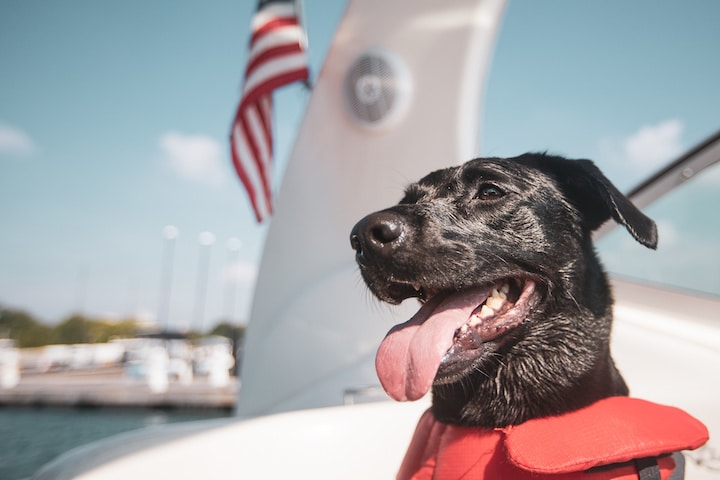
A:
<point x="114" y="118"/>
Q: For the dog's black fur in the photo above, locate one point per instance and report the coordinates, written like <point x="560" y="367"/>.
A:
<point x="529" y="217"/>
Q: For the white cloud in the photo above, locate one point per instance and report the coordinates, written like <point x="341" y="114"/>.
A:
<point x="654" y="145"/>
<point x="194" y="157"/>
<point x="240" y="272"/>
<point x="630" y="158"/>
<point x="15" y="141"/>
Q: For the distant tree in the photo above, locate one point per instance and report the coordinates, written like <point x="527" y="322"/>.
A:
<point x="37" y="335"/>
<point x="122" y="329"/>
<point x="193" y="335"/>
<point x="73" y="329"/>
<point x="225" y="329"/>
<point x="24" y="329"/>
<point x="14" y="321"/>
<point x="81" y="329"/>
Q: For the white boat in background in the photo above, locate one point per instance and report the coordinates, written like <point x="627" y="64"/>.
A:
<point x="9" y="364"/>
<point x="381" y="114"/>
<point x="213" y="358"/>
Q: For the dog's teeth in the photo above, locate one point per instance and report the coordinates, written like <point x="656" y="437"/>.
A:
<point x="505" y="288"/>
<point x="486" y="312"/>
<point x="495" y="303"/>
<point x="416" y="287"/>
<point x="498" y="293"/>
<point x="475" y="320"/>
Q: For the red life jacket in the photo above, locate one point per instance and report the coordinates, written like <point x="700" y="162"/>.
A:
<point x="596" y="442"/>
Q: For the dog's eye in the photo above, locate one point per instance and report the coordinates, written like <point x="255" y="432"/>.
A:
<point x="489" y="192"/>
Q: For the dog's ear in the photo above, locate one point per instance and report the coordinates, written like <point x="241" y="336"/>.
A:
<point x="598" y="200"/>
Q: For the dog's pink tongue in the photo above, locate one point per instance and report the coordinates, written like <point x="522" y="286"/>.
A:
<point x="410" y="354"/>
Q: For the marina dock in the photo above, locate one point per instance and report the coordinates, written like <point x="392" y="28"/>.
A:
<point x="110" y="387"/>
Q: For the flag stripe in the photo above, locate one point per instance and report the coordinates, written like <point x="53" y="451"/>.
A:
<point x="272" y="67"/>
<point x="270" y="11"/>
<point x="277" y="78"/>
<point x="276" y="58"/>
<point x="248" y="173"/>
<point x="266" y="117"/>
<point x="277" y="27"/>
<point x="251" y="174"/>
<point x="271" y="53"/>
<point x="257" y="143"/>
<point x="288" y="29"/>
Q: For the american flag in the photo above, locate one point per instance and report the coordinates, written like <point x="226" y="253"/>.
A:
<point x="277" y="57"/>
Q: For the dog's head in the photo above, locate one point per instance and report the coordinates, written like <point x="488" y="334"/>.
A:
<point x="516" y="310"/>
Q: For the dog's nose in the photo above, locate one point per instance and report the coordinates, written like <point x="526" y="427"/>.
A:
<point x="378" y="233"/>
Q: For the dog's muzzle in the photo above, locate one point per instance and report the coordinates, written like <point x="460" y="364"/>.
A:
<point x="378" y="235"/>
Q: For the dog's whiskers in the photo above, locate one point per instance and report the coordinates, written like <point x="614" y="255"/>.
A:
<point x="574" y="300"/>
<point x="497" y="257"/>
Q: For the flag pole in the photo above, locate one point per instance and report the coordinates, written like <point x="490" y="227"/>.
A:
<point x="300" y="14"/>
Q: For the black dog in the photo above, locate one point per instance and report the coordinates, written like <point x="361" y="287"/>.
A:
<point x="516" y="314"/>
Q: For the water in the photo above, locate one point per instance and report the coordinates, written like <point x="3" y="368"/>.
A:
<point x="32" y="436"/>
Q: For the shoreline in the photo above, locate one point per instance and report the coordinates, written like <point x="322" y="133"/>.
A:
<point x="109" y="387"/>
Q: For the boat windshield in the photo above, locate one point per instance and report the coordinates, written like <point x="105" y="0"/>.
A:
<point x="688" y="253"/>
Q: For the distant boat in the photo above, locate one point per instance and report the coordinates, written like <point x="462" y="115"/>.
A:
<point x="9" y="364"/>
